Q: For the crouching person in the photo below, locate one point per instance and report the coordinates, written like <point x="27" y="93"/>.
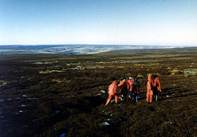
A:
<point x="124" y="87"/>
<point x="112" y="92"/>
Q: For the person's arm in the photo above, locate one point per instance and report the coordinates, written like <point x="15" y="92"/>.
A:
<point x="159" y="86"/>
<point x="128" y="86"/>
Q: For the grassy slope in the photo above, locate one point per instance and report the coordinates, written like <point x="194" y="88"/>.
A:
<point x="67" y="99"/>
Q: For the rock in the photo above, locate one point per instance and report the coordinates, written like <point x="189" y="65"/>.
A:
<point x="103" y="91"/>
<point x="32" y="98"/>
<point x="63" y="135"/>
<point x="167" y="122"/>
<point x="174" y="85"/>
<point x="57" y="111"/>
<point x="98" y="94"/>
<point x="112" y="100"/>
<point x="23" y="105"/>
<point x="190" y="71"/>
<point x="105" y="124"/>
<point x="24" y="96"/>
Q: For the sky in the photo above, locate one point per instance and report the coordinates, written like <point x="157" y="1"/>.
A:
<point x="122" y="22"/>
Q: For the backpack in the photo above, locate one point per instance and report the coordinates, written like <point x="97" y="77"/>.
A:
<point x="136" y="83"/>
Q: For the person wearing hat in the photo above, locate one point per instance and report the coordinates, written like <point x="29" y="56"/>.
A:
<point x="130" y="81"/>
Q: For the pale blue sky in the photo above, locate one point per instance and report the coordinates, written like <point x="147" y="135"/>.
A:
<point x="141" y="22"/>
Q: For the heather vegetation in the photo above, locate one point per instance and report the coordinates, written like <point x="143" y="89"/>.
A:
<point x="52" y="95"/>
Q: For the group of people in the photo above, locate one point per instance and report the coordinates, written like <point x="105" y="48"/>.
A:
<point x="132" y="87"/>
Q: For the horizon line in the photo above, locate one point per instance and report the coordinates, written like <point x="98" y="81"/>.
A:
<point x="100" y="44"/>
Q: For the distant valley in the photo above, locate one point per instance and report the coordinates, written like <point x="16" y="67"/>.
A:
<point x="70" y="48"/>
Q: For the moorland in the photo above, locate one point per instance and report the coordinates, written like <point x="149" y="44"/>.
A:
<point x="53" y="95"/>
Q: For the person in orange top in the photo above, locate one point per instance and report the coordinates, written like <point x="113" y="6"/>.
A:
<point x="130" y="81"/>
<point x="149" y="94"/>
<point x="156" y="87"/>
<point x="112" y="92"/>
<point x="124" y="87"/>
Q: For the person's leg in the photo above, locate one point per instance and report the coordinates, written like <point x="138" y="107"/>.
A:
<point x="130" y="94"/>
<point x="108" y="100"/>
<point x="147" y="96"/>
<point x="116" y="98"/>
<point x="136" y="97"/>
<point x="151" y="95"/>
<point x="156" y="98"/>
<point x="125" y="96"/>
<point x="122" y="96"/>
<point x="154" y="92"/>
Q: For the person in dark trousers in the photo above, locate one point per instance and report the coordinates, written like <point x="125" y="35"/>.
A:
<point x="124" y="87"/>
<point x="156" y="87"/>
<point x="136" y="91"/>
<point x="130" y="81"/>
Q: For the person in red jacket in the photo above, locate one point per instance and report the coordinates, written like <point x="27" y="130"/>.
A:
<point x="149" y="94"/>
<point x="130" y="81"/>
<point x="156" y="87"/>
<point x="112" y="92"/>
<point x="124" y="87"/>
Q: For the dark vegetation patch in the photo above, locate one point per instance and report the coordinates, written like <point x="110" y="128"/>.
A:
<point x="54" y="95"/>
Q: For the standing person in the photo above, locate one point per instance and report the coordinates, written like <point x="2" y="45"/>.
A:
<point x="149" y="94"/>
<point x="156" y="87"/>
<point x="124" y="87"/>
<point x="130" y="81"/>
<point x="112" y="92"/>
<point x="136" y="90"/>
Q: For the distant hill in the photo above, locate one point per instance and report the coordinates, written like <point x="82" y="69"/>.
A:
<point x="70" y="48"/>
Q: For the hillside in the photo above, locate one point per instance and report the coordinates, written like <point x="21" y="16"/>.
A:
<point x="53" y="95"/>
